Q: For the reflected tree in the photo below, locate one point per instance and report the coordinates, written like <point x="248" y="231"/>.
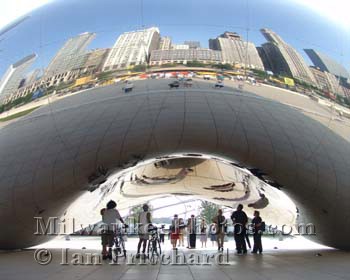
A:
<point x="209" y="210"/>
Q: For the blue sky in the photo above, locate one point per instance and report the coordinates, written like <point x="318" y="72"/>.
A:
<point x="50" y="26"/>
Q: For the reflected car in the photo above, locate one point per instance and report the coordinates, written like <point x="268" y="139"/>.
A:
<point x="219" y="84"/>
<point x="174" y="84"/>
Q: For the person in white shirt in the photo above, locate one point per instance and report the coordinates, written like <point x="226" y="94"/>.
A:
<point x="144" y="221"/>
<point x="110" y="217"/>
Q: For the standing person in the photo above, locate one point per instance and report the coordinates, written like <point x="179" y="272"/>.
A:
<point x="220" y="222"/>
<point x="240" y="219"/>
<point x="182" y="232"/>
<point x="162" y="233"/>
<point x="188" y="234"/>
<point x="110" y="216"/>
<point x="257" y="232"/>
<point x="212" y="233"/>
<point x="204" y="235"/>
<point x="192" y="227"/>
<point x="175" y="231"/>
<point x="144" y="221"/>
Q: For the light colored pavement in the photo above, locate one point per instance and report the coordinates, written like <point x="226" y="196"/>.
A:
<point x="327" y="116"/>
<point x="316" y="262"/>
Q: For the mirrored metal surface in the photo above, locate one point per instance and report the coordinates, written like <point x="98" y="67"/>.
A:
<point x="142" y="99"/>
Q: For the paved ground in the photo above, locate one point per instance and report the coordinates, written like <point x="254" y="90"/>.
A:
<point x="314" y="263"/>
<point x="298" y="101"/>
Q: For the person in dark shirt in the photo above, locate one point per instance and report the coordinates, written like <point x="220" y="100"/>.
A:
<point x="257" y="232"/>
<point x="240" y="219"/>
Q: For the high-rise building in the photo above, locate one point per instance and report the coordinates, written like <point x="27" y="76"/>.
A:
<point x="274" y="60"/>
<point x="180" y="47"/>
<point x="264" y="58"/>
<point x="285" y="59"/>
<point x="159" y="57"/>
<point x="12" y="78"/>
<point x="32" y="76"/>
<point x="193" y="44"/>
<point x="95" y="60"/>
<point x="325" y="63"/>
<point x="71" y="56"/>
<point x="236" y="51"/>
<point x="322" y="81"/>
<point x="165" y="43"/>
<point x="132" y="48"/>
<point x="333" y="81"/>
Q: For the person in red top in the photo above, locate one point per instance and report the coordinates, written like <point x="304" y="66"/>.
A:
<point x="175" y="231"/>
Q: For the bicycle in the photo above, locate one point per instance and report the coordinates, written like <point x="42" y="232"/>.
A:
<point x="118" y="249"/>
<point x="153" y="249"/>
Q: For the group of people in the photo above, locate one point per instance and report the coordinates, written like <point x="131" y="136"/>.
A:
<point x="179" y="229"/>
<point x="240" y="221"/>
<point x="218" y="230"/>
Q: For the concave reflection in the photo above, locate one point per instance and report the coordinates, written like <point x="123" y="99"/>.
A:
<point x="209" y="179"/>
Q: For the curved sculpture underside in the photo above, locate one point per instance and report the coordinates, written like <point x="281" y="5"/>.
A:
<point x="49" y="158"/>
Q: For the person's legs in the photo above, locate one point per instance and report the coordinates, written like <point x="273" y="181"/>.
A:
<point x="181" y="240"/>
<point x="144" y="245"/>
<point x="174" y="241"/>
<point x="238" y="246"/>
<point x="218" y="237"/>
<point x="255" y="247"/>
<point x="139" y="245"/>
<point x="243" y="241"/>
<point x="194" y="240"/>
<point x="244" y="245"/>
<point x="110" y="240"/>
<point x="104" y="243"/>
<point x="259" y="244"/>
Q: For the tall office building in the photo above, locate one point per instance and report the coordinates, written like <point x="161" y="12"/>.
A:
<point x="12" y="78"/>
<point x="165" y="43"/>
<point x="285" y="59"/>
<point x="236" y="51"/>
<point x="32" y="76"/>
<point x="180" y="47"/>
<point x="193" y="44"/>
<point x="325" y="63"/>
<point x="95" y="60"/>
<point x="264" y="58"/>
<point x="132" y="48"/>
<point x="159" y="57"/>
<point x="71" y="56"/>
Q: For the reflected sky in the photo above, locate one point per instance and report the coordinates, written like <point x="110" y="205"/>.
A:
<point x="50" y="26"/>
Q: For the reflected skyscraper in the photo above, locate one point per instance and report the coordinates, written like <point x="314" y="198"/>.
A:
<point x="12" y="78"/>
<point x="325" y="63"/>
<point x="71" y="56"/>
<point x="193" y="44"/>
<point x="132" y="48"/>
<point x="236" y="51"/>
<point x="165" y="43"/>
<point x="284" y="59"/>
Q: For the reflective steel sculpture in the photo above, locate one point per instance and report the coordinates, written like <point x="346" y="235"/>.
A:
<point x="103" y="99"/>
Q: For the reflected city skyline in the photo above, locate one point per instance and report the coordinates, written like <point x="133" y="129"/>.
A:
<point x="148" y="47"/>
<point x="305" y="29"/>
